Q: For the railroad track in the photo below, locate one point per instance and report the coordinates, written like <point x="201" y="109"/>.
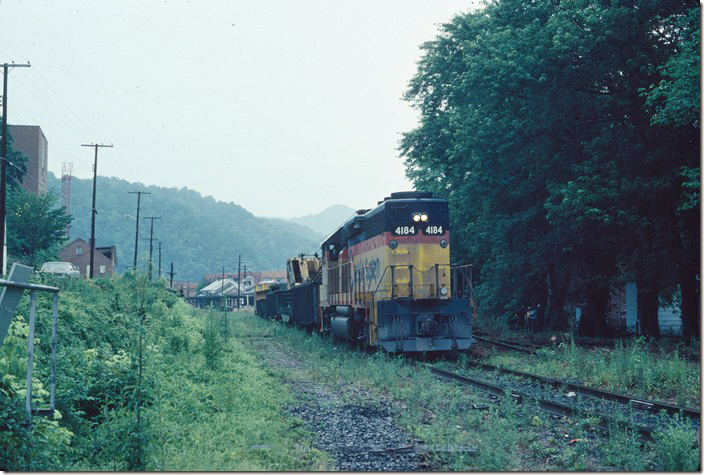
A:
<point x="552" y="407"/>
<point x="525" y="348"/>
<point x="638" y="403"/>
<point x="609" y="411"/>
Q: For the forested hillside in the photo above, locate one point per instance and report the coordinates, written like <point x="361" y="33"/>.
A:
<point x="199" y="234"/>
<point x="327" y="220"/>
<point x="566" y="136"/>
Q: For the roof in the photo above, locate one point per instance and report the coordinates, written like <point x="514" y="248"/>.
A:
<point x="227" y="287"/>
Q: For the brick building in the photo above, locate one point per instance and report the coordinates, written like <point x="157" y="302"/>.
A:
<point x="30" y="140"/>
<point x="78" y="253"/>
<point x="188" y="289"/>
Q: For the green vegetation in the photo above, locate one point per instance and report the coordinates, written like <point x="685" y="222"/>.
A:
<point x="566" y="136"/>
<point x="200" y="234"/>
<point x="630" y="368"/>
<point x="509" y="436"/>
<point x="145" y="382"/>
<point x="35" y="226"/>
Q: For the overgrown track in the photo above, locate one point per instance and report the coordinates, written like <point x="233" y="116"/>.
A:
<point x="642" y="404"/>
<point x="525" y="348"/>
<point x="552" y="407"/>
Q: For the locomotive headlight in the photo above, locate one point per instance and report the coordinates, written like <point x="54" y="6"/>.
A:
<point x="424" y="217"/>
<point x="393" y="244"/>
<point x="443" y="291"/>
<point x="443" y="243"/>
<point x="416" y="217"/>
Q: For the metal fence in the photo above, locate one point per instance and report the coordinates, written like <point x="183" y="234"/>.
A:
<point x="10" y="296"/>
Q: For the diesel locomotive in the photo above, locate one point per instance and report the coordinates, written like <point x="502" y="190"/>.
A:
<point x="383" y="280"/>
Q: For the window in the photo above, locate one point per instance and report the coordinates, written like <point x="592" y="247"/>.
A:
<point x="79" y="250"/>
<point x="102" y="268"/>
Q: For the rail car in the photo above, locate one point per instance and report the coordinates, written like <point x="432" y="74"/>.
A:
<point x="383" y="280"/>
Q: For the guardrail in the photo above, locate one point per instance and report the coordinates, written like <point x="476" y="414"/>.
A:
<point x="12" y="290"/>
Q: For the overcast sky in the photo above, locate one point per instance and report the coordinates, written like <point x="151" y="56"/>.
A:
<point x="284" y="107"/>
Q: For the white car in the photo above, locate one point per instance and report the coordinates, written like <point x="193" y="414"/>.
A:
<point x="61" y="269"/>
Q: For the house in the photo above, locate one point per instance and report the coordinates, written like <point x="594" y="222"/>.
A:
<point x="78" y="253"/>
<point x="622" y="313"/>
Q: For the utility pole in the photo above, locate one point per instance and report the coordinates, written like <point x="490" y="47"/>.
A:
<point x="160" y="258"/>
<point x="94" y="211"/>
<point x="3" y="167"/>
<point x="151" y="238"/>
<point x="244" y="277"/>
<point x="136" y="232"/>
<point x="239" y="281"/>
<point x="171" y="276"/>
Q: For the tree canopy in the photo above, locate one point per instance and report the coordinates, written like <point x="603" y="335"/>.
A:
<point x="566" y="136"/>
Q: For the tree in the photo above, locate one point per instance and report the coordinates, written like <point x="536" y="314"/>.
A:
<point x="534" y="126"/>
<point x="34" y="223"/>
<point x="16" y="168"/>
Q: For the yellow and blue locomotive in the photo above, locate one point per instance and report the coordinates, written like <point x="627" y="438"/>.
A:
<point x="385" y="280"/>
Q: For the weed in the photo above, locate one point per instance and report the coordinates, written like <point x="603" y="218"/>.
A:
<point x="677" y="446"/>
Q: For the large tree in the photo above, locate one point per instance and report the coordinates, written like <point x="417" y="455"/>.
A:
<point x="34" y="224"/>
<point x="535" y="125"/>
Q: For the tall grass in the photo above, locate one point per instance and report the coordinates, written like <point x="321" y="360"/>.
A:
<point x="219" y="408"/>
<point x="630" y="368"/>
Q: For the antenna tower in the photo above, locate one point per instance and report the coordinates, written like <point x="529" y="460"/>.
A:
<point x="66" y="174"/>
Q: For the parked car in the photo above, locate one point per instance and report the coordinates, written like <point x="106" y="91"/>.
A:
<point x="61" y="269"/>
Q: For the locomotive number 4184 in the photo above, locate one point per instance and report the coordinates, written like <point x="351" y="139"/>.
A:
<point x="433" y="230"/>
<point x="405" y="231"/>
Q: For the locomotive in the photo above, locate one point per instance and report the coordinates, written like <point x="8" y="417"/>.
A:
<point x="383" y="280"/>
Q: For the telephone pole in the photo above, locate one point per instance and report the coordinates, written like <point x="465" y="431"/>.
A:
<point x="94" y="211"/>
<point x="239" y="280"/>
<point x="3" y="167"/>
<point x="171" y="276"/>
<point x="160" y="258"/>
<point x="151" y="238"/>
<point x="136" y="233"/>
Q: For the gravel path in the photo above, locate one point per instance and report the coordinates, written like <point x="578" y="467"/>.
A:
<point x="354" y="428"/>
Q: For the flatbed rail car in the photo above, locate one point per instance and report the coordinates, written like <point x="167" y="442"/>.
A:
<point x="384" y="281"/>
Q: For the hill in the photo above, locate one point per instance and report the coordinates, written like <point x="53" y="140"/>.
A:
<point x="325" y="222"/>
<point x="199" y="234"/>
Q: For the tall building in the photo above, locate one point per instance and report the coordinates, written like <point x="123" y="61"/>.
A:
<point x="30" y="140"/>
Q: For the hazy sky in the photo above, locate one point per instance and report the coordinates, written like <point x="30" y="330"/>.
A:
<point x="284" y="107"/>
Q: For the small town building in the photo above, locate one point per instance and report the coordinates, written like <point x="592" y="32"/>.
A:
<point x="225" y="292"/>
<point x="78" y="253"/>
<point x="185" y="288"/>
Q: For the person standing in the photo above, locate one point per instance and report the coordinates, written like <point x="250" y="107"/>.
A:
<point x="531" y="318"/>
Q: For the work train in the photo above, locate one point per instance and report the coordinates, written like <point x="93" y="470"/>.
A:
<point x="383" y="280"/>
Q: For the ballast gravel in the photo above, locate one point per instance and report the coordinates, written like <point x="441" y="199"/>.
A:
<point x="354" y="428"/>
